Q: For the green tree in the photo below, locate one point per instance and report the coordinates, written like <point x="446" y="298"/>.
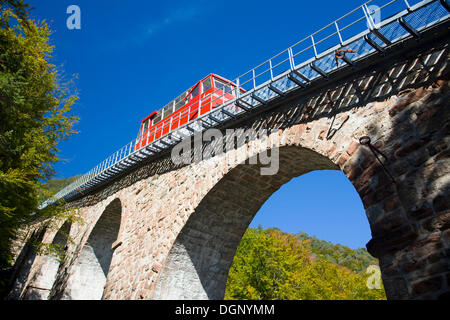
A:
<point x="270" y="264"/>
<point x="35" y="115"/>
<point x="265" y="266"/>
<point x="356" y="260"/>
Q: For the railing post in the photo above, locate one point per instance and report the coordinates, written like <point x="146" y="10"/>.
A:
<point x="170" y="127"/>
<point x="339" y="33"/>
<point x="368" y="17"/>
<point x="407" y="4"/>
<point x="271" y="71"/>
<point x="291" y="59"/>
<point x="314" y="46"/>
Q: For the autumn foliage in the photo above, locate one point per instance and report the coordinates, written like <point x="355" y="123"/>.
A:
<point x="272" y="265"/>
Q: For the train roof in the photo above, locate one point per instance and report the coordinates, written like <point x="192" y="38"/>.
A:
<point x="185" y="93"/>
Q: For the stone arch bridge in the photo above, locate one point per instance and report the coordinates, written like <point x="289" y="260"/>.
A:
<point x="166" y="231"/>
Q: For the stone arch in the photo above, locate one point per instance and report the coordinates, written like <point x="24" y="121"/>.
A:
<point x="402" y="178"/>
<point x="198" y="263"/>
<point x="89" y="273"/>
<point x="42" y="280"/>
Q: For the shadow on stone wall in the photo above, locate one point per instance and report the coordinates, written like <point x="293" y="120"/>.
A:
<point x="84" y="275"/>
<point x="406" y="198"/>
<point x="23" y="265"/>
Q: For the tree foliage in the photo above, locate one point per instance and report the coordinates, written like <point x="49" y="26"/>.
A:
<point x="272" y="265"/>
<point x="356" y="260"/>
<point x="35" y="115"/>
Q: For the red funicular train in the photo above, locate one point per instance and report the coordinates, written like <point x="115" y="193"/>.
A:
<point x="206" y="94"/>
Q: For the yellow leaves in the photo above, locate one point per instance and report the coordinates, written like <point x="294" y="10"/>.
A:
<point x="271" y="264"/>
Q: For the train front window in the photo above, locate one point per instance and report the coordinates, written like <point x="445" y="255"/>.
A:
<point x="222" y="86"/>
<point x="145" y="127"/>
<point x="207" y="85"/>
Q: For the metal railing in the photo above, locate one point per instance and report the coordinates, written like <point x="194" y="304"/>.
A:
<point x="299" y="66"/>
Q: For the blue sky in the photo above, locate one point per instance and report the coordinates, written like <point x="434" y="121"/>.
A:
<point x="132" y="57"/>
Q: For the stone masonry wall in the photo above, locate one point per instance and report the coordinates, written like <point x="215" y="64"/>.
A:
<point x="180" y="226"/>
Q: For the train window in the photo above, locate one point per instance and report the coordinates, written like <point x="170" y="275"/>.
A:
<point x="222" y="86"/>
<point x="145" y="127"/>
<point x="207" y="85"/>
<point x="167" y="110"/>
<point x="157" y="118"/>
<point x="195" y="92"/>
<point x="179" y="102"/>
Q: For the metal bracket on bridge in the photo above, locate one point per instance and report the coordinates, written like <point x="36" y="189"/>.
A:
<point x="296" y="81"/>
<point x="276" y="90"/>
<point x="365" y="141"/>
<point x="408" y="28"/>
<point x="240" y="104"/>
<point x="228" y="113"/>
<point x="318" y="70"/>
<point x="301" y="76"/>
<point x="340" y="54"/>
<point x="215" y="119"/>
<point x="374" y="45"/>
<point x="260" y="100"/>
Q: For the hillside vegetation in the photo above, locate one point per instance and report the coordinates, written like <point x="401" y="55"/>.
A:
<point x="356" y="260"/>
<point x="273" y="265"/>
